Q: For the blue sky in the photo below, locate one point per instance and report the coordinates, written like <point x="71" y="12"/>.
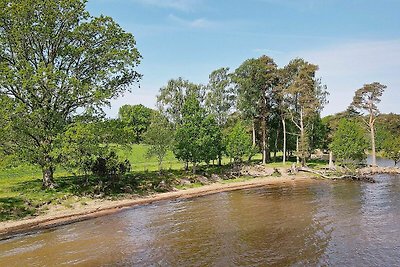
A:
<point x="353" y="41"/>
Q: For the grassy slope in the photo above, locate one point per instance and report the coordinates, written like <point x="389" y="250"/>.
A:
<point x="21" y="193"/>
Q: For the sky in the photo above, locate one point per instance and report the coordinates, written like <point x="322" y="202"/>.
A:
<point x="354" y="42"/>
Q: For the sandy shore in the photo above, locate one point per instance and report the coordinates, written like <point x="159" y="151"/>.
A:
<point x="96" y="208"/>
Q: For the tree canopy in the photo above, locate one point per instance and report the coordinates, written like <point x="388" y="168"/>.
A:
<point x="57" y="62"/>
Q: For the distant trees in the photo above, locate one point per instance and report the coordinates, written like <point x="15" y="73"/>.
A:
<point x="366" y="100"/>
<point x="57" y="62"/>
<point x="135" y="119"/>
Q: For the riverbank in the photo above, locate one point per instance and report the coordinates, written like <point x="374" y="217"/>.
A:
<point x="57" y="216"/>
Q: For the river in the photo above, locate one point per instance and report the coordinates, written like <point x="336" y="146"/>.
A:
<point x="297" y="223"/>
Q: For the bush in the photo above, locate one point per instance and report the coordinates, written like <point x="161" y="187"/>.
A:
<point x="110" y="166"/>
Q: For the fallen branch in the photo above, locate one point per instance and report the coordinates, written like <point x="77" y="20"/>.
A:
<point x="345" y="176"/>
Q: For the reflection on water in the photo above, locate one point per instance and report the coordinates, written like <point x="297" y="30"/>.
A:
<point x="299" y="223"/>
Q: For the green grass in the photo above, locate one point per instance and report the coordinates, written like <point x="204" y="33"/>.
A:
<point x="21" y="192"/>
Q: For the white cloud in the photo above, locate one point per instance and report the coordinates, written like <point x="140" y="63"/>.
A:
<point x="346" y="67"/>
<point x="183" y="5"/>
<point x="196" y="23"/>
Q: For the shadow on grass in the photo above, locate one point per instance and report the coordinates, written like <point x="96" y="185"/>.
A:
<point x="12" y="208"/>
<point x="32" y="197"/>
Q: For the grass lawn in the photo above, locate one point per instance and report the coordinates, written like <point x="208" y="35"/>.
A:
<point x="21" y="192"/>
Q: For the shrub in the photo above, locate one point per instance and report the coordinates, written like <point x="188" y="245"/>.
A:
<point x="110" y="166"/>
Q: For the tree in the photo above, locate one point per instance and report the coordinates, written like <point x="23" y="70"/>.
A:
<point x="255" y="80"/>
<point x="220" y="95"/>
<point x="349" y="142"/>
<point x="57" y="61"/>
<point x="136" y="119"/>
<point x="159" y="137"/>
<point x="238" y="142"/>
<point x="219" y="102"/>
<point x="172" y="97"/>
<point x="197" y="137"/>
<point x="307" y="98"/>
<point x="366" y="100"/>
<point x="392" y="149"/>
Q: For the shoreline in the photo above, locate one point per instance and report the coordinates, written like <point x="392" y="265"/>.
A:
<point x="98" y="208"/>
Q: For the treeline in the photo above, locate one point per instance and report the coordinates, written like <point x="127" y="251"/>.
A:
<point x="57" y="74"/>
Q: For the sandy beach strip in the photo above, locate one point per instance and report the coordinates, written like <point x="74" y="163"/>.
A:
<point x="97" y="208"/>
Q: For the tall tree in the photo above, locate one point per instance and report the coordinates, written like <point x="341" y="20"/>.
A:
<point x="172" y="97"/>
<point x="220" y="95"/>
<point x="136" y="119"/>
<point x="307" y="97"/>
<point x="57" y="61"/>
<point x="220" y="100"/>
<point x="255" y="80"/>
<point x="366" y="100"/>
<point x="282" y="105"/>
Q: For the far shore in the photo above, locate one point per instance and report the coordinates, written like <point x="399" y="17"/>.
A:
<point x="96" y="208"/>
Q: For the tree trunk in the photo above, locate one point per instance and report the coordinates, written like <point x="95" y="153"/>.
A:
<point x="371" y="125"/>
<point x="264" y="140"/>
<point x="48" y="181"/>
<point x="254" y="133"/>
<point x="302" y="140"/>
<point x="194" y="168"/>
<point x="284" y="140"/>
<point x="219" y="160"/>
<point x="331" y="164"/>
<point x="297" y="150"/>
<point x="186" y="165"/>
<point x="276" y="144"/>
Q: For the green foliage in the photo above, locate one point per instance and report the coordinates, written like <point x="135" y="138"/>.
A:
<point x="135" y="120"/>
<point x="255" y="80"/>
<point x="110" y="166"/>
<point x="57" y="61"/>
<point x="173" y="96"/>
<point x="198" y="138"/>
<point x="220" y="95"/>
<point x="238" y="142"/>
<point x="80" y="146"/>
<point x="306" y="97"/>
<point x="349" y="143"/>
<point x="391" y="148"/>
<point x="159" y="137"/>
<point x="367" y="98"/>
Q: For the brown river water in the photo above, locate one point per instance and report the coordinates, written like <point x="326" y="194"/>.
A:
<point x="295" y="224"/>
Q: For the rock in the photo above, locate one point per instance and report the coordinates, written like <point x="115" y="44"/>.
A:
<point x="163" y="186"/>
<point x="184" y="182"/>
<point x="203" y="180"/>
<point x="128" y="189"/>
<point x="215" y="178"/>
